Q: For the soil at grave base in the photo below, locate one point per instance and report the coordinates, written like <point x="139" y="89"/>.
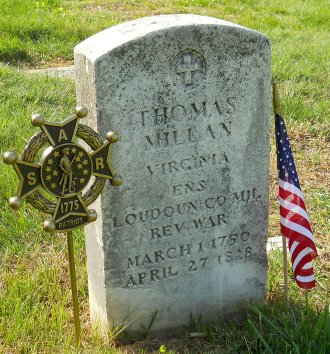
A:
<point x="58" y="63"/>
<point x="151" y="346"/>
<point x="53" y="63"/>
<point x="176" y="345"/>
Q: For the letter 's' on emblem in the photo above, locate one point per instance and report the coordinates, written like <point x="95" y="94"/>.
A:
<point x="63" y="171"/>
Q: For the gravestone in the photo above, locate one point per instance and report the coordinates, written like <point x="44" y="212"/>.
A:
<point x="185" y="235"/>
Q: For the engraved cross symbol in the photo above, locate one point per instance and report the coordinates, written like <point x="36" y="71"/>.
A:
<point x="187" y="68"/>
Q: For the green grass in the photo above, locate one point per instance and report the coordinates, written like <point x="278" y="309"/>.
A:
<point x="35" y="298"/>
<point x="295" y="330"/>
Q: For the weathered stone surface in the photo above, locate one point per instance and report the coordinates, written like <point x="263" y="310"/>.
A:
<point x="186" y="232"/>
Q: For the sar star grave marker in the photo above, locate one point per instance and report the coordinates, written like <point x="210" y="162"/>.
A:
<point x="63" y="171"/>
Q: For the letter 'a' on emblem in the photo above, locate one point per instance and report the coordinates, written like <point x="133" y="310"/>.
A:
<point x="64" y="171"/>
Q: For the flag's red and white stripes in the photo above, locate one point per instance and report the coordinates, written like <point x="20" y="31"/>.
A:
<point x="295" y="225"/>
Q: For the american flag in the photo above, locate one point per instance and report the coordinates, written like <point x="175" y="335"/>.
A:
<point x="295" y="224"/>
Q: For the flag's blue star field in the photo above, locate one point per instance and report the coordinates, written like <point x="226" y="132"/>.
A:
<point x="285" y="163"/>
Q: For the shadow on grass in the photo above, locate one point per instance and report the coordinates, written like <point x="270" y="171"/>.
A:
<point x="17" y="57"/>
<point x="299" y="329"/>
<point x="32" y="34"/>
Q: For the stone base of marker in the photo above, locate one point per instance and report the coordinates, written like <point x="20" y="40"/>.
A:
<point x="185" y="235"/>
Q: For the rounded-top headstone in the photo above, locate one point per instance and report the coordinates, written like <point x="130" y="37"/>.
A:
<point x="185" y="235"/>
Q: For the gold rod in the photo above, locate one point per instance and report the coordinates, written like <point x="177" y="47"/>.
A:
<point x="277" y="110"/>
<point x="276" y="99"/>
<point x="74" y="289"/>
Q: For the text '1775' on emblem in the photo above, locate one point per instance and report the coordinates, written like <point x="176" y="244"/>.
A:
<point x="64" y="171"/>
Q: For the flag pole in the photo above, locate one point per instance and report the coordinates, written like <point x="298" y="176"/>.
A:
<point x="276" y="104"/>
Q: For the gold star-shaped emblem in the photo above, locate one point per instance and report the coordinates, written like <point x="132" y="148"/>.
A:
<point x="64" y="172"/>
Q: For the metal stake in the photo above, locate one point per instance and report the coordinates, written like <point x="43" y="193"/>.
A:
<point x="277" y="110"/>
<point x="74" y="289"/>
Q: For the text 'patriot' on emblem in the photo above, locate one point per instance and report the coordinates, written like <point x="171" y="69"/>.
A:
<point x="64" y="171"/>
